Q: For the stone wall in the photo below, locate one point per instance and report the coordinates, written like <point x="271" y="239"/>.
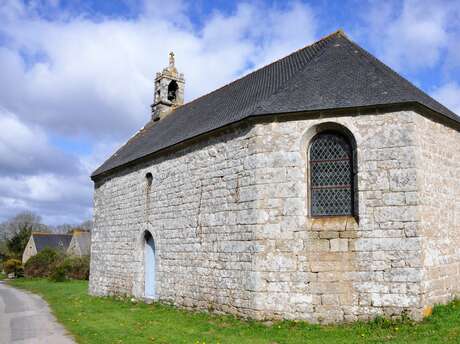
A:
<point x="230" y="220"/>
<point x="439" y="196"/>
<point x="29" y="251"/>
<point x="342" y="268"/>
<point x="202" y="227"/>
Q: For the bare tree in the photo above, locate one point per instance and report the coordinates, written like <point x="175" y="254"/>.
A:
<point x="67" y="228"/>
<point x="64" y="228"/>
<point x="88" y="225"/>
<point x="26" y="219"/>
<point x="16" y="231"/>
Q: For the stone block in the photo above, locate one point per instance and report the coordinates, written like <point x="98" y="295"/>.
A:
<point x="328" y="234"/>
<point x="388" y="244"/>
<point x="329" y="276"/>
<point x="330" y="299"/>
<point x="404" y="275"/>
<point x="294" y="206"/>
<point x="301" y="298"/>
<point x="394" y="198"/>
<point x="394" y="300"/>
<point x="373" y="181"/>
<point x="403" y="179"/>
<point x="339" y="245"/>
<point x="395" y="213"/>
<point x="352" y="234"/>
<point x="321" y="245"/>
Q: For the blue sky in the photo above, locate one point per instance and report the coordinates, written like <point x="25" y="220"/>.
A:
<point x="76" y="76"/>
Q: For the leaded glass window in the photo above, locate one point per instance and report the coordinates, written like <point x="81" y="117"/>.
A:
<point x="331" y="175"/>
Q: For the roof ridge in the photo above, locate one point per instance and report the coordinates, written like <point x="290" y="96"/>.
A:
<point x="321" y="40"/>
<point x="46" y="233"/>
<point x="326" y="40"/>
<point x="338" y="33"/>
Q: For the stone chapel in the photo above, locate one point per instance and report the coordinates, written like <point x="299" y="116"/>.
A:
<point x="323" y="187"/>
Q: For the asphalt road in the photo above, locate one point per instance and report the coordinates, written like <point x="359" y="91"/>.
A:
<point x="26" y="318"/>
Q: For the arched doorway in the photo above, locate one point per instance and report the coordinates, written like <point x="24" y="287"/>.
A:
<point x="149" y="265"/>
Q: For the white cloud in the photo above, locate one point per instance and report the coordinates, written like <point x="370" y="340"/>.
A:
<point x="73" y="75"/>
<point x="412" y="34"/>
<point x="80" y="76"/>
<point x="261" y="35"/>
<point x="58" y="199"/>
<point x="25" y="150"/>
<point x="449" y="95"/>
<point x="36" y="176"/>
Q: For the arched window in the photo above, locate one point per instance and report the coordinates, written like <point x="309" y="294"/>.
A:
<point x="149" y="178"/>
<point x="331" y="175"/>
<point x="172" y="90"/>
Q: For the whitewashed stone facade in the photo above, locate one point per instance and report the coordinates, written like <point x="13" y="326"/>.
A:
<point x="230" y="218"/>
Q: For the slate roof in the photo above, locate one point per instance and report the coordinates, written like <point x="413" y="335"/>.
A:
<point x="54" y="241"/>
<point x="333" y="73"/>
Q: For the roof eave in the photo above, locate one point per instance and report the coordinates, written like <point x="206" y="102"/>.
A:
<point x="414" y="105"/>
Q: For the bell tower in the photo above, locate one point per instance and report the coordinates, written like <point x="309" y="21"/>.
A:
<point x="169" y="90"/>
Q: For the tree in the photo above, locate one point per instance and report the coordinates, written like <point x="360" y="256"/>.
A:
<point x="63" y="228"/>
<point x="3" y="250"/>
<point x="17" y="243"/>
<point x="69" y="228"/>
<point x="88" y="225"/>
<point x="17" y="231"/>
<point x="13" y="225"/>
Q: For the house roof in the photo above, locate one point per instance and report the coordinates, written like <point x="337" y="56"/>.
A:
<point x="54" y="241"/>
<point x="333" y="73"/>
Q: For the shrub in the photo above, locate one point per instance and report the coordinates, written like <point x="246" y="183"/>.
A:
<point x="43" y="263"/>
<point x="13" y="266"/>
<point x="75" y="267"/>
<point x="57" y="266"/>
<point x="58" y="274"/>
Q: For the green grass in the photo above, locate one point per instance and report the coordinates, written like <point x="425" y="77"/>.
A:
<point x="2" y="276"/>
<point x="107" y="320"/>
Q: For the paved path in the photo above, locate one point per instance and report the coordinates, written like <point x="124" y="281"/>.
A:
<point x="25" y="318"/>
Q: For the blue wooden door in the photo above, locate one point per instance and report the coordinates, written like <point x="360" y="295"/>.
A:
<point x="149" y="268"/>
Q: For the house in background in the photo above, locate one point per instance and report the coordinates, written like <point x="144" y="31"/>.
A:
<point x="39" y="241"/>
<point x="323" y="186"/>
<point x="80" y="245"/>
<point x="76" y="244"/>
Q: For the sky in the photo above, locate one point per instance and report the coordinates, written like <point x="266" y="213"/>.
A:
<point x="76" y="77"/>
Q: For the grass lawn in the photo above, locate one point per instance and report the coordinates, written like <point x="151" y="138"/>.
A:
<point x="2" y="276"/>
<point x="106" y="320"/>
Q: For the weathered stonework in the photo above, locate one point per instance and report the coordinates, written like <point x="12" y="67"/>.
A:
<point x="230" y="219"/>
<point x="438" y="176"/>
<point x="167" y="97"/>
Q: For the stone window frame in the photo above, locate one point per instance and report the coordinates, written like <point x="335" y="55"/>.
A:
<point x="306" y="143"/>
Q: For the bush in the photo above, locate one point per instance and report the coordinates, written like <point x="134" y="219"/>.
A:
<point x="13" y="266"/>
<point x="57" y="266"/>
<point x="58" y="274"/>
<point x="43" y="263"/>
<point x="75" y="267"/>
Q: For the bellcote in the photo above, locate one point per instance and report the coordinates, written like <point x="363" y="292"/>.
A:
<point x="169" y="90"/>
